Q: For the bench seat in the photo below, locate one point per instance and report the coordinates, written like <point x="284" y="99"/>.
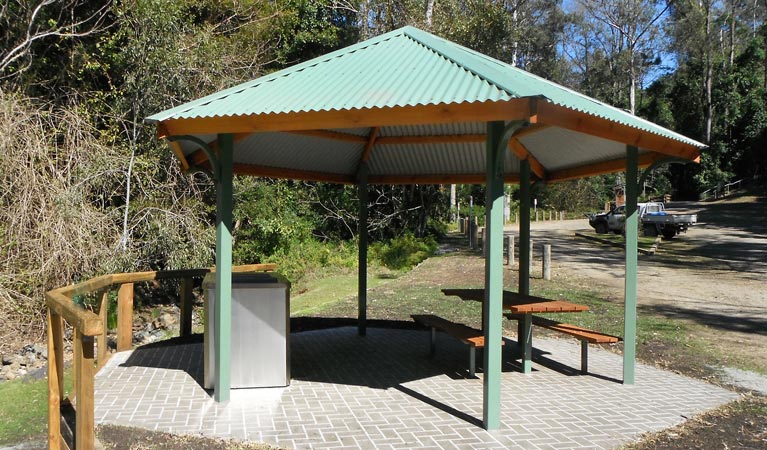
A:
<point x="470" y="336"/>
<point x="584" y="335"/>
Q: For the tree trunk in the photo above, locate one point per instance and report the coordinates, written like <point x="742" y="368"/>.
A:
<point x="515" y="43"/>
<point x="708" y="76"/>
<point x="453" y="206"/>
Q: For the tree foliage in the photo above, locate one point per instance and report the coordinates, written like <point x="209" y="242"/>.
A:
<point x="87" y="188"/>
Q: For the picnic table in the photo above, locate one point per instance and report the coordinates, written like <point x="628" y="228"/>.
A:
<point x="517" y="303"/>
<point x="521" y="307"/>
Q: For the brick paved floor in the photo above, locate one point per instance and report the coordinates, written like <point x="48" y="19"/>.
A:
<point x="383" y="392"/>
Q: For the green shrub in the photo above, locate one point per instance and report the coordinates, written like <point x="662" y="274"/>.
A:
<point x="302" y="258"/>
<point x="404" y="252"/>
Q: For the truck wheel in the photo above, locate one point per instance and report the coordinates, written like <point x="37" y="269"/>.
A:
<point x="650" y="230"/>
<point x="601" y="228"/>
<point x="669" y="233"/>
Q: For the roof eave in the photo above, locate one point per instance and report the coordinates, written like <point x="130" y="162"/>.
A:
<point x="515" y="109"/>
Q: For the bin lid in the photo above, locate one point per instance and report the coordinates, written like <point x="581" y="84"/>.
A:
<point x="247" y="278"/>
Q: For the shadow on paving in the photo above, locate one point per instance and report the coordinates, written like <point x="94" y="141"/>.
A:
<point x="380" y="360"/>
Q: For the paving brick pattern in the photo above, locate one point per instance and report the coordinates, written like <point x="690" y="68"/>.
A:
<point x="384" y="392"/>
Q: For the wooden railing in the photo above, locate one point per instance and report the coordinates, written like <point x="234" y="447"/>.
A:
<point x="91" y="328"/>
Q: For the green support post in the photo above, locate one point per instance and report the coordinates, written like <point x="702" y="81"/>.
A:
<point x="525" y="325"/>
<point x="223" y="308"/>
<point x="362" y="283"/>
<point x="630" y="294"/>
<point x="492" y="307"/>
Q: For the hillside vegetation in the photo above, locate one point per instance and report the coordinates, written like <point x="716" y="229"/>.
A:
<point x="86" y="188"/>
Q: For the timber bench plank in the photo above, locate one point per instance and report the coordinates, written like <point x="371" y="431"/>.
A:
<point x="470" y="336"/>
<point x="584" y="335"/>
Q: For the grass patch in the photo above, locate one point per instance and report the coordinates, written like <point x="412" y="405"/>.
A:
<point x="24" y="408"/>
<point x="740" y="424"/>
<point x="322" y="293"/>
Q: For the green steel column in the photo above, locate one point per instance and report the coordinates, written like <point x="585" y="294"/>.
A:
<point x="362" y="283"/>
<point x="492" y="307"/>
<point x="632" y="231"/>
<point x="525" y="327"/>
<point x="223" y="309"/>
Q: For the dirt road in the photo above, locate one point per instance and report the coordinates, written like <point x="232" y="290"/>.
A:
<point x="715" y="275"/>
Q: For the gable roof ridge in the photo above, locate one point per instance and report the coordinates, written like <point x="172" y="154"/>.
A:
<point x="186" y="106"/>
<point x="448" y="50"/>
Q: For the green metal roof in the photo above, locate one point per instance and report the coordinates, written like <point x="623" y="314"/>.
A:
<point x="405" y="67"/>
<point x="313" y="120"/>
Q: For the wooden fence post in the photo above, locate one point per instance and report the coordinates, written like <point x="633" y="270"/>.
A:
<point x="55" y="378"/>
<point x="125" y="317"/>
<point x="547" y="262"/>
<point x="84" y="421"/>
<point x="186" y="299"/>
<point x="103" y="346"/>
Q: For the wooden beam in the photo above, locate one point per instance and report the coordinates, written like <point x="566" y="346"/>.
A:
<point x="523" y="153"/>
<point x="125" y="317"/>
<point x="371" y="141"/>
<point x="332" y="135"/>
<point x="85" y="321"/>
<point x="515" y="109"/>
<point x="436" y="179"/>
<point x="291" y="174"/>
<point x="198" y="157"/>
<point x="176" y="147"/>
<point x="55" y="378"/>
<point x="533" y="114"/>
<point x="437" y="139"/>
<point x="103" y="352"/>
<point x="551" y="114"/>
<point x="85" y="434"/>
<point x="532" y="129"/>
<point x="611" y="166"/>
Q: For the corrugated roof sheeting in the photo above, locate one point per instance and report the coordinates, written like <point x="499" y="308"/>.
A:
<point x="445" y="129"/>
<point x="406" y="67"/>
<point x="189" y="147"/>
<point x="365" y="77"/>
<point x="434" y="159"/>
<point x="299" y="152"/>
<point x="557" y="148"/>
<point x="519" y="83"/>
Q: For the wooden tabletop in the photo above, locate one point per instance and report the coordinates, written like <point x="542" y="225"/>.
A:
<point x="520" y="304"/>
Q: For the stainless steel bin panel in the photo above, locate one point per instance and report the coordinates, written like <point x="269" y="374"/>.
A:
<point x="260" y="334"/>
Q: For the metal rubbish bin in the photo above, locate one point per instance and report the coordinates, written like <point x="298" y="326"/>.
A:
<point x="260" y="348"/>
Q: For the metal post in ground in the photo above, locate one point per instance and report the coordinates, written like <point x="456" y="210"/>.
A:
<point x="532" y="251"/>
<point x="547" y="261"/>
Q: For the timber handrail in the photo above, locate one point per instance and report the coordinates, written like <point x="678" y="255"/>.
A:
<point x="90" y="327"/>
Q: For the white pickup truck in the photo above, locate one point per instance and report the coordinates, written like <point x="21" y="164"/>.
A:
<point x="653" y="219"/>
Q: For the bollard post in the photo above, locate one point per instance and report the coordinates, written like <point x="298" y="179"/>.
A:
<point x="516" y="218"/>
<point x="474" y="226"/>
<point x="511" y="249"/>
<point x="536" y="215"/>
<point x="547" y="262"/>
<point x="532" y="253"/>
